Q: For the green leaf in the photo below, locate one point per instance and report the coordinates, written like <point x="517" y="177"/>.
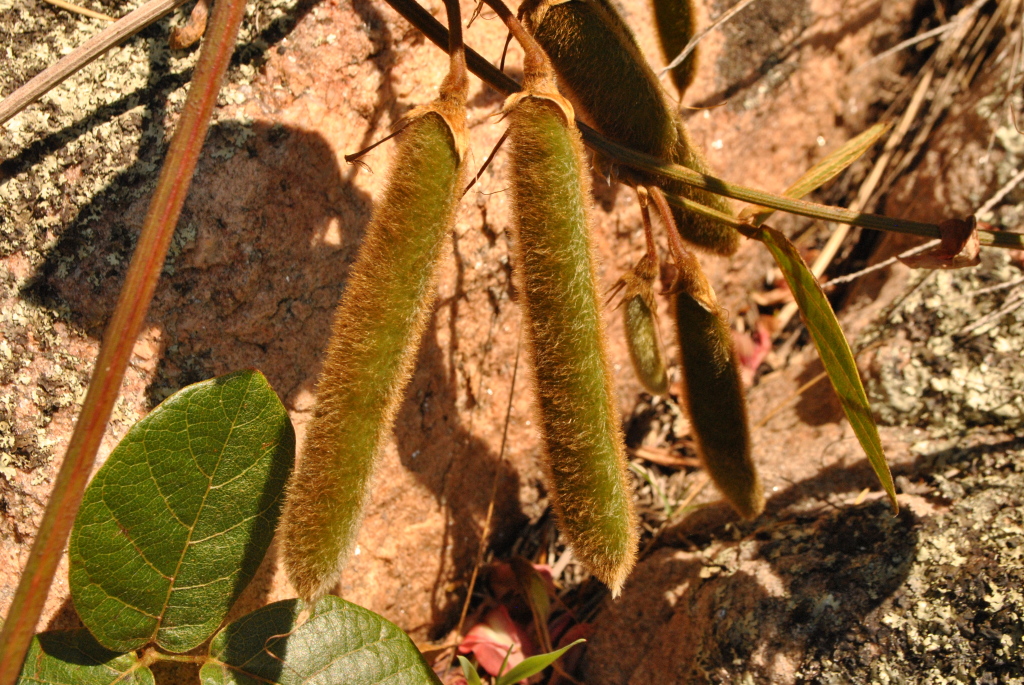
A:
<point x="534" y="665"/>
<point x="340" y="642"/>
<point x="468" y="670"/>
<point x="833" y="349"/>
<point x="176" y="522"/>
<point x="824" y="171"/>
<point x="73" y="657"/>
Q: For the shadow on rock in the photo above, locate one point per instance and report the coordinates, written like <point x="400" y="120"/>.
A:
<point x="751" y="609"/>
<point x="255" y="269"/>
<point x="459" y="470"/>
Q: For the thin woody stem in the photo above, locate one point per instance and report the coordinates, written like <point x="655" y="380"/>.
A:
<point x="642" y="196"/>
<point x="675" y="243"/>
<point x="119" y="338"/>
<point x="487" y="163"/>
<point x="457" y="79"/>
<point x="355" y="156"/>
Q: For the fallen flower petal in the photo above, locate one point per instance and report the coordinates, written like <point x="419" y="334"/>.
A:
<point x="491" y="640"/>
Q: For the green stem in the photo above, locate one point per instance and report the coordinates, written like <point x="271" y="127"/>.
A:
<point x="119" y="338"/>
<point x="643" y="162"/>
<point x="438" y="34"/>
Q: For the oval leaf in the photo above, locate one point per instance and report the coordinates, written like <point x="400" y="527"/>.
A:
<point x="833" y="349"/>
<point x="73" y="657"/>
<point x="534" y="665"/>
<point x="176" y="522"/>
<point x="340" y="642"/>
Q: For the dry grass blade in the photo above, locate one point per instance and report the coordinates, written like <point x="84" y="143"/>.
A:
<point x="123" y="28"/>
<point x="824" y="171"/>
<point x="84" y="11"/>
<point x="833" y="349"/>
<point x="831" y="248"/>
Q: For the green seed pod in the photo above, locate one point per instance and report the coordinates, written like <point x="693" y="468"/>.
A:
<point x="640" y="320"/>
<point x="564" y="331"/>
<point x="377" y="330"/>
<point x="713" y="393"/>
<point x="676" y="21"/>
<point x="600" y="65"/>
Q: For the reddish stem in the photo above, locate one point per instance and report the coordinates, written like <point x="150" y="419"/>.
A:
<point x="119" y="338"/>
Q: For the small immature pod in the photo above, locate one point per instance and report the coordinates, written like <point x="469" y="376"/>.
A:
<point x="713" y="392"/>
<point x="639" y="311"/>
<point x="376" y="332"/>
<point x="676" y="21"/>
<point x="601" y="66"/>
<point x="564" y="331"/>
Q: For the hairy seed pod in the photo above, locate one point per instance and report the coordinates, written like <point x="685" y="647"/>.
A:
<point x="584" y="451"/>
<point x="600" y="65"/>
<point x="676" y="21"/>
<point x="713" y="393"/>
<point x="640" y="321"/>
<point x="376" y="333"/>
<point x="606" y="77"/>
<point x="697" y="229"/>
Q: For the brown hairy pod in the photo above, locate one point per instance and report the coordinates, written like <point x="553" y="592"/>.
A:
<point x="676" y="21"/>
<point x="699" y="230"/>
<point x="713" y="392"/>
<point x="377" y="329"/>
<point x="640" y="320"/>
<point x="601" y="67"/>
<point x="604" y="73"/>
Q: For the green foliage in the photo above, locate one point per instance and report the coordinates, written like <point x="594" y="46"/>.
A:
<point x="833" y="348"/>
<point x="73" y="657"/>
<point x="340" y="642"/>
<point x="176" y="522"/>
<point x="469" y="670"/>
<point x="213" y="460"/>
<point x="526" y="668"/>
<point x="533" y="665"/>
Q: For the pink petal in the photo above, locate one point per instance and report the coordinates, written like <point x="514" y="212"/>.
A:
<point x="490" y="641"/>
